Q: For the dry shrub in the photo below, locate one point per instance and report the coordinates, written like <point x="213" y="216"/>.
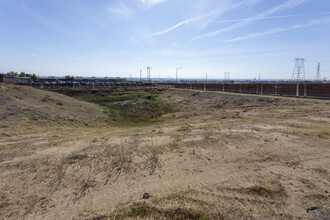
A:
<point x="121" y="160"/>
<point x="153" y="160"/>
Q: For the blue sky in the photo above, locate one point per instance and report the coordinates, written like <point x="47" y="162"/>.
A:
<point x="120" y="37"/>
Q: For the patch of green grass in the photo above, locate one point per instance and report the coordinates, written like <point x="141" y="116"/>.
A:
<point x="59" y="103"/>
<point x="183" y="128"/>
<point x="47" y="98"/>
<point x="126" y="106"/>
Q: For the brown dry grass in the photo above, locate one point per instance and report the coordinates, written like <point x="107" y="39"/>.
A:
<point x="221" y="156"/>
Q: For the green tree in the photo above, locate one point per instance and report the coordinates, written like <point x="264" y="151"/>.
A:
<point x="14" y="74"/>
<point x="34" y="77"/>
<point x="2" y="75"/>
<point x="22" y="74"/>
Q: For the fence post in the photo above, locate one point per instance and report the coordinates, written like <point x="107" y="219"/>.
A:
<point x="262" y="89"/>
<point x="305" y="90"/>
<point x="275" y="88"/>
<point x="297" y="90"/>
<point x="257" y="89"/>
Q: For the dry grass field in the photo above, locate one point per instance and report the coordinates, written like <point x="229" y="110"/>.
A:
<point x="203" y="155"/>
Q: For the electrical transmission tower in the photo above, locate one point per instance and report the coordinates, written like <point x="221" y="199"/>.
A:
<point x="299" y="69"/>
<point x="318" y="73"/>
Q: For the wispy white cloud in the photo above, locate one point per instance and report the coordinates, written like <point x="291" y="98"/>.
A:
<point x="187" y="21"/>
<point x="259" y="18"/>
<point x="253" y="2"/>
<point x="120" y="12"/>
<point x="150" y="3"/>
<point x="278" y="30"/>
<point x="23" y="5"/>
<point x="207" y="17"/>
<point x="186" y="54"/>
<point x="267" y="17"/>
<point x="173" y="53"/>
<point x="285" y="6"/>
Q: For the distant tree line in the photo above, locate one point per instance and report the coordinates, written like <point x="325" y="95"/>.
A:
<point x="17" y="76"/>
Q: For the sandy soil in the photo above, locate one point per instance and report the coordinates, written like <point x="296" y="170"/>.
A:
<point x="220" y="156"/>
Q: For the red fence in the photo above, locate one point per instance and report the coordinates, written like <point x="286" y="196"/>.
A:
<point x="319" y="90"/>
<point x="84" y="85"/>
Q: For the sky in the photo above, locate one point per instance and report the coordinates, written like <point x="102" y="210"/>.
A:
<point x="118" y="38"/>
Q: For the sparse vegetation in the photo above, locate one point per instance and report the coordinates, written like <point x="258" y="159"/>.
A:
<point x="126" y="106"/>
<point x="213" y="160"/>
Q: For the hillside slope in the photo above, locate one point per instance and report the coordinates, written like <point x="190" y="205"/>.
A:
<point x="29" y="106"/>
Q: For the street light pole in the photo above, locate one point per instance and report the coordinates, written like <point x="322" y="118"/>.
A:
<point x="177" y="70"/>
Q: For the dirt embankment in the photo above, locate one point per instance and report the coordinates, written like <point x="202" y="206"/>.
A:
<point x="218" y="156"/>
<point x="25" y="106"/>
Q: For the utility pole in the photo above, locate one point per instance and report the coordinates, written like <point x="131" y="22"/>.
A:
<point x="205" y="82"/>
<point x="318" y="73"/>
<point x="149" y="73"/>
<point x="177" y="70"/>
<point x="299" y="69"/>
<point x="227" y="75"/>
<point x="140" y="75"/>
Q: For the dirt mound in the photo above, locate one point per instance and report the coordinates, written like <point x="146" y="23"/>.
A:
<point x="28" y="106"/>
<point x="188" y="100"/>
